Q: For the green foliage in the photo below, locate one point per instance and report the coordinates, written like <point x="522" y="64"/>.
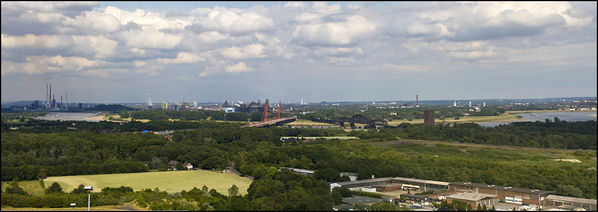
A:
<point x="54" y="188"/>
<point x="385" y="206"/>
<point x="327" y="174"/>
<point x="79" y="190"/>
<point x="233" y="191"/>
<point x="14" y="188"/>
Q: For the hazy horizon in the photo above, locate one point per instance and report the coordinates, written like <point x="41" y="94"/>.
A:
<point x="98" y="52"/>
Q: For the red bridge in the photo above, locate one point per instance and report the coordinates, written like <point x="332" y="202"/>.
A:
<point x="273" y="122"/>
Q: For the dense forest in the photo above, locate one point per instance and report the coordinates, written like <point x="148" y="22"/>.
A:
<point x="256" y="151"/>
<point x="548" y="134"/>
<point x="38" y="149"/>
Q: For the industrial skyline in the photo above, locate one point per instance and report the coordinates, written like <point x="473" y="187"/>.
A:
<point x="112" y="52"/>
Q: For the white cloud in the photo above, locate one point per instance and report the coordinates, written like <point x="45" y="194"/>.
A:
<point x="344" y="32"/>
<point x="151" y="39"/>
<point x="43" y="64"/>
<point x="239" y="67"/>
<point x="182" y="57"/>
<point x="243" y="52"/>
<point x="100" y="45"/>
<point x="35" y="41"/>
<point x="234" y="21"/>
<point x="93" y="22"/>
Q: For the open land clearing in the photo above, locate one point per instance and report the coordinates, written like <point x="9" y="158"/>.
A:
<point x="505" y="117"/>
<point x="170" y="181"/>
<point x="124" y="207"/>
<point x="502" y="153"/>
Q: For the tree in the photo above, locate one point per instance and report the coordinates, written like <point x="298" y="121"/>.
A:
<point x="15" y="189"/>
<point x="124" y="114"/>
<point x="384" y="206"/>
<point x="79" y="190"/>
<point x="54" y="188"/>
<point x="233" y="191"/>
<point x="327" y="174"/>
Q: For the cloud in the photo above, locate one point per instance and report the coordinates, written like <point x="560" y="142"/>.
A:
<point x="232" y="21"/>
<point x="343" y="31"/>
<point x="243" y="52"/>
<point x="239" y="67"/>
<point x="29" y="41"/>
<point x="43" y="64"/>
<point x="151" y="39"/>
<point x="182" y="57"/>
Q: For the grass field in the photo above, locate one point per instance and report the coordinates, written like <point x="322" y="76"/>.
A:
<point x="29" y="186"/>
<point x="172" y="181"/>
<point x="507" y="116"/>
<point x="506" y="154"/>
<point x="125" y="207"/>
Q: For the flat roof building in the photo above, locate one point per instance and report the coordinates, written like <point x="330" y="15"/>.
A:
<point x="555" y="201"/>
<point x="473" y="199"/>
<point x="509" y="194"/>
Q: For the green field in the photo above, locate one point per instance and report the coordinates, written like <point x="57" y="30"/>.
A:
<point x="497" y="153"/>
<point x="171" y="181"/>
<point x="28" y="185"/>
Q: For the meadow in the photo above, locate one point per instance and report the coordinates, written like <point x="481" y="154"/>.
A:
<point x="171" y="181"/>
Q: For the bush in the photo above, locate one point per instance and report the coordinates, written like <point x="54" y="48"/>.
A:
<point x="54" y="188"/>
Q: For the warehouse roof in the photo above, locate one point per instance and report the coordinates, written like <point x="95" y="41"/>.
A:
<point x="504" y="188"/>
<point x="570" y="199"/>
<point x="375" y="180"/>
<point x="421" y="181"/>
<point x="471" y="196"/>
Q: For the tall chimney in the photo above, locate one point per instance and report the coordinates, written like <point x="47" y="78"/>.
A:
<point x="47" y="96"/>
<point x="416" y="99"/>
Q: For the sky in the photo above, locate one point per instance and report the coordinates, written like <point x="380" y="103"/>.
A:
<point x="109" y="52"/>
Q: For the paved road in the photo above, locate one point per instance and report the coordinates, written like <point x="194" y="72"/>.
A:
<point x="233" y="169"/>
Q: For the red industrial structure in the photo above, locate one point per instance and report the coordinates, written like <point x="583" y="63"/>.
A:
<point x="276" y="121"/>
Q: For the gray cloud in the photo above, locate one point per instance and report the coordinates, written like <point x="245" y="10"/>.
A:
<point x="82" y="40"/>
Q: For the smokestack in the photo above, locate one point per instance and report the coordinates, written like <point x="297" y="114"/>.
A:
<point x="416" y="100"/>
<point x="50" y="96"/>
<point x="66" y="102"/>
<point x="47" y="96"/>
<point x="61" y="105"/>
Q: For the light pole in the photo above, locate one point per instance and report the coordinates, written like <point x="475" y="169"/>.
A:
<point x="89" y="189"/>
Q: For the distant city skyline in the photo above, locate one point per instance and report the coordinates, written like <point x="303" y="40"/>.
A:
<point x="108" y="52"/>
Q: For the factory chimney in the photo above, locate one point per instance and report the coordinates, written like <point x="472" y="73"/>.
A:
<point x="416" y="100"/>
<point x="47" y="99"/>
<point x="50" y="97"/>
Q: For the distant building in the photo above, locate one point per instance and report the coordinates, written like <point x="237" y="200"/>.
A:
<point x="555" y="201"/>
<point x="189" y="166"/>
<point x="429" y="118"/>
<point x="473" y="199"/>
<point x="299" y="171"/>
<point x="508" y="194"/>
<point x="228" y="109"/>
<point x="164" y="105"/>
